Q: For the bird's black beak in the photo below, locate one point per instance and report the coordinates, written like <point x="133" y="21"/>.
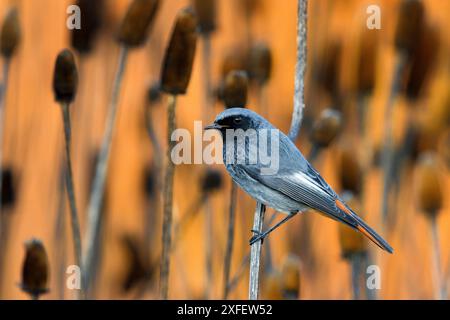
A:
<point x="213" y="126"/>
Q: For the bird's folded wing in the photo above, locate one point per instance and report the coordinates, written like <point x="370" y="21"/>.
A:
<point x="308" y="189"/>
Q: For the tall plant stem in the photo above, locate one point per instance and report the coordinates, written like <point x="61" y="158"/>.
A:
<point x="168" y="200"/>
<point x="60" y="236"/>
<point x="387" y="155"/>
<point x="98" y="189"/>
<point x="3" y="224"/>
<point x="207" y="108"/>
<point x="440" y="290"/>
<point x="300" y="70"/>
<point x="297" y="116"/>
<point x="3" y="91"/>
<point x="356" y="265"/>
<point x="158" y="167"/>
<point x="75" y="224"/>
<point x="230" y="240"/>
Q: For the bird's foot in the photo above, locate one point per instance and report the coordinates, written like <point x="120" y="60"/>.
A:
<point x="257" y="237"/>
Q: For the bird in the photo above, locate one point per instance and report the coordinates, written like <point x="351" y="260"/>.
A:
<point x="294" y="187"/>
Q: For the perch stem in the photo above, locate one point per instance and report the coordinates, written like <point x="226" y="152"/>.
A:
<point x="168" y="201"/>
<point x="94" y="214"/>
<point x="297" y="116"/>
<point x="74" y="222"/>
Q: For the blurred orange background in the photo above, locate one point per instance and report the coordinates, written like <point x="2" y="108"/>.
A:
<point x="33" y="146"/>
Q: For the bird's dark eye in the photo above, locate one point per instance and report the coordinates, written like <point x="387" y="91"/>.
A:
<point x="237" y="120"/>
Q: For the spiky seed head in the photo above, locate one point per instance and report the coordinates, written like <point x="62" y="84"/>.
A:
<point x="91" y="18"/>
<point x="234" y="89"/>
<point x="35" y="269"/>
<point x="65" y="77"/>
<point x="179" y="57"/>
<point x="326" y="68"/>
<point x="367" y="61"/>
<point x="206" y="13"/>
<point x="211" y="181"/>
<point x="260" y="63"/>
<point x="8" y="189"/>
<point x="429" y="189"/>
<point x="235" y="59"/>
<point x="326" y="127"/>
<point x="137" y="22"/>
<point x="272" y="285"/>
<point x="411" y="16"/>
<point x="290" y="274"/>
<point x="10" y="33"/>
<point x="422" y="62"/>
<point x="350" y="171"/>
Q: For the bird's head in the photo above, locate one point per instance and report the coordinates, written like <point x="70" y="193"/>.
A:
<point x="238" y="118"/>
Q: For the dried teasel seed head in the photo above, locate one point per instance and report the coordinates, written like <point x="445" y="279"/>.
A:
<point x="272" y="285"/>
<point x="367" y="61"/>
<point x="137" y="22"/>
<point x="326" y="127"/>
<point x="409" y="25"/>
<point x="10" y="33"/>
<point x="137" y="269"/>
<point x="91" y="17"/>
<point x="422" y="61"/>
<point x="35" y="269"/>
<point x="326" y="69"/>
<point x="211" y="181"/>
<point x="429" y="189"/>
<point x="260" y="63"/>
<point x="234" y="89"/>
<point x="65" y="77"/>
<point x="206" y="14"/>
<point x="234" y="60"/>
<point x="350" y="171"/>
<point x="179" y="58"/>
<point x="352" y="242"/>
<point x="8" y="189"/>
<point x="290" y="275"/>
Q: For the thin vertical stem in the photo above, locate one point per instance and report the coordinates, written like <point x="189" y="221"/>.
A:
<point x="387" y="156"/>
<point x="356" y="263"/>
<point x="75" y="224"/>
<point x="206" y="77"/>
<point x="255" y="253"/>
<point x="297" y="116"/>
<point x="101" y="170"/>
<point x="207" y="108"/>
<point x="168" y="200"/>
<point x="158" y="167"/>
<point x="440" y="290"/>
<point x="300" y="70"/>
<point x="208" y="247"/>
<point x="3" y="90"/>
<point x="230" y="240"/>
<point x="60" y="236"/>
<point x="3" y="222"/>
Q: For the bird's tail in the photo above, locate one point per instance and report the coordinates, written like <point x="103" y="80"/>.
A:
<point x="353" y="220"/>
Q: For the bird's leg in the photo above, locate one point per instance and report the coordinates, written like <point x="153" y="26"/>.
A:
<point x="261" y="236"/>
